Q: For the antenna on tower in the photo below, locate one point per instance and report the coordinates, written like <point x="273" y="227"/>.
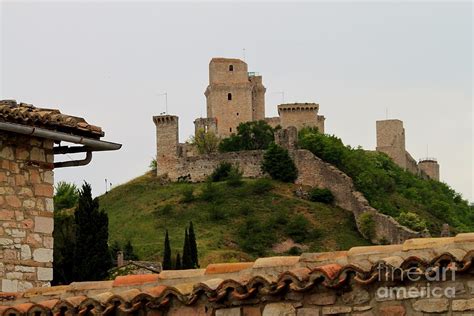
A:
<point x="166" y="100"/>
<point x="386" y="113"/>
<point x="243" y="51"/>
<point x="282" y="93"/>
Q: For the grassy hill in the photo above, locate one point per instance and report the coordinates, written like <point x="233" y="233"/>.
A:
<point x="260" y="217"/>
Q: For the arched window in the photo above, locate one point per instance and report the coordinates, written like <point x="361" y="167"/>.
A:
<point x="231" y="67"/>
<point x="229" y="96"/>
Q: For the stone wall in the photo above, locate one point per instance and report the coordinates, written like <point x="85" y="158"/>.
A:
<point x="198" y="168"/>
<point x="26" y="212"/>
<point x="316" y="173"/>
<point x="353" y="299"/>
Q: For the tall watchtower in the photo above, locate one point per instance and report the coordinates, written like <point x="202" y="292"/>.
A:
<point x="391" y="140"/>
<point x="233" y="95"/>
<point x="167" y="144"/>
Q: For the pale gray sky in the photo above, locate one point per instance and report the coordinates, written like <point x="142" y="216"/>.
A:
<point x="108" y="61"/>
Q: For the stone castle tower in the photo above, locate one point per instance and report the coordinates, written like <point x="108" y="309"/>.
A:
<point x="391" y="140"/>
<point x="233" y="96"/>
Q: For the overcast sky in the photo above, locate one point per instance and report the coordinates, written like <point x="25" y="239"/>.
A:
<point x="108" y="62"/>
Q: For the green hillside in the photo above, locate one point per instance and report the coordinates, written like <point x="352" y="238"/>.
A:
<point x="232" y="223"/>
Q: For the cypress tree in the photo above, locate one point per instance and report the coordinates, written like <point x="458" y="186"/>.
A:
<point x="92" y="258"/>
<point x="193" y="246"/>
<point x="128" y="252"/>
<point x="187" y="261"/>
<point x="167" y="253"/>
<point x="178" y="262"/>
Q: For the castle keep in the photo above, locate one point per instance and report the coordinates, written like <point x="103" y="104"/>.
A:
<point x="236" y="96"/>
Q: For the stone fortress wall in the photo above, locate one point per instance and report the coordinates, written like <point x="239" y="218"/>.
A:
<point x="391" y="141"/>
<point x="26" y="212"/>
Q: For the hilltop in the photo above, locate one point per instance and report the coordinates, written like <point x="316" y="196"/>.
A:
<point x="261" y="217"/>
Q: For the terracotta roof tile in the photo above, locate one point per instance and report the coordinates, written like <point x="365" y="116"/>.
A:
<point x="217" y="268"/>
<point x="246" y="281"/>
<point x="135" y="279"/>
<point x="27" y="114"/>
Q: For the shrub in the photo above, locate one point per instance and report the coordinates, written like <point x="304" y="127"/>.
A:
<point x="298" y="228"/>
<point x="234" y="179"/>
<point x="205" y="142"/>
<point x="367" y="225"/>
<point x="221" y="172"/>
<point x="255" y="236"/>
<point x="261" y="186"/>
<point x="216" y="213"/>
<point x="321" y="195"/>
<point x="209" y="192"/>
<point x="250" y="136"/>
<point x="153" y="164"/>
<point x="187" y="194"/>
<point x="294" y="251"/>
<point x="278" y="164"/>
<point x="166" y="209"/>
<point x="412" y="221"/>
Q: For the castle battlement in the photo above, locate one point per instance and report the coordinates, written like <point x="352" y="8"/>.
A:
<point x="163" y="119"/>
<point x="298" y="107"/>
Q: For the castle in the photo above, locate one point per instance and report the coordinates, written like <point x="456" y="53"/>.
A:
<point x="236" y="96"/>
<point x="233" y="96"/>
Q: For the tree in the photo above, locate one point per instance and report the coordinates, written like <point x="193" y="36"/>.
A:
<point x="64" y="243"/>
<point x="279" y="165"/>
<point x="187" y="261"/>
<point x="205" y="142"/>
<point x="167" y="253"/>
<point x="114" y="249"/>
<point x="177" y="264"/>
<point x="193" y="246"/>
<point x="91" y="255"/>
<point x="250" y="136"/>
<point x="66" y="196"/>
<point x="128" y="252"/>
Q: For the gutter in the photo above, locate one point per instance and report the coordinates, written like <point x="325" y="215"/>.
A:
<point x="89" y="144"/>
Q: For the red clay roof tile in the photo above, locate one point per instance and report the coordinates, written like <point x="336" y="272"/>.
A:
<point x="136" y="279"/>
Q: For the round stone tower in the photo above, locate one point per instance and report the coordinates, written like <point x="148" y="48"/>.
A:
<point x="430" y="167"/>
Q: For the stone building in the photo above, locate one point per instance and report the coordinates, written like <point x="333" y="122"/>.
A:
<point x="427" y="276"/>
<point x="235" y="95"/>
<point x="30" y="137"/>
<point x="391" y="141"/>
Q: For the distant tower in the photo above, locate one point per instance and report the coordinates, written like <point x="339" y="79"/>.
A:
<point x="430" y="167"/>
<point x="391" y="140"/>
<point x="233" y="95"/>
<point x="167" y="144"/>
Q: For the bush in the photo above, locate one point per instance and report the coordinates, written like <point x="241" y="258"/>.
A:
<point x="278" y="164"/>
<point x="187" y="194"/>
<point x="321" y="195"/>
<point x="234" y="179"/>
<point x="261" y="186"/>
<point x="221" y="172"/>
<point x="209" y="192"/>
<point x="205" y="142"/>
<point x="255" y="236"/>
<point x="250" y="136"/>
<point x="298" y="228"/>
<point x="367" y="225"/>
<point x="216" y="213"/>
<point x="412" y="221"/>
